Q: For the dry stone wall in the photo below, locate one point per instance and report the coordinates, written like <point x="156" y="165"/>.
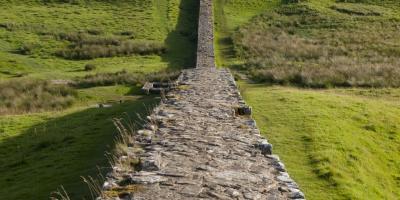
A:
<point x="205" y="44"/>
<point x="198" y="146"/>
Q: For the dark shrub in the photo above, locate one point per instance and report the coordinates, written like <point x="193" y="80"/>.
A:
<point x="26" y="49"/>
<point x="95" y="31"/>
<point x="90" y="67"/>
<point x="64" y="1"/>
<point x="9" y="26"/>
<point x="126" y="33"/>
<point x="293" y="1"/>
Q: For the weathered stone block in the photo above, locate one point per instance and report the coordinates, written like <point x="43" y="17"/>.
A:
<point x="243" y="110"/>
<point x="265" y="147"/>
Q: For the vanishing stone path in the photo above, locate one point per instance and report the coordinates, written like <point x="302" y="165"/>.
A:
<point x="202" y="142"/>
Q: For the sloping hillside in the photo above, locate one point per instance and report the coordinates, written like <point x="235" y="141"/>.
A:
<point x="336" y="143"/>
<point x="67" y="68"/>
<point x="339" y="141"/>
<point x="35" y="33"/>
<point x="323" y="45"/>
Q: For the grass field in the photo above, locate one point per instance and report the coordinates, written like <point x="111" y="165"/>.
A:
<point x="322" y="44"/>
<point x="337" y="143"/>
<point x="38" y="25"/>
<point x="46" y="146"/>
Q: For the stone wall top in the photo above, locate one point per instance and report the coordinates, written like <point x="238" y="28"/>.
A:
<point x="200" y="142"/>
<point x="205" y="45"/>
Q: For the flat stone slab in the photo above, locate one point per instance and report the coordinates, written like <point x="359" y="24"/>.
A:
<point x="201" y="149"/>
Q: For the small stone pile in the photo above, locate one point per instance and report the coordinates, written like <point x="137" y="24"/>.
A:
<point x="200" y="144"/>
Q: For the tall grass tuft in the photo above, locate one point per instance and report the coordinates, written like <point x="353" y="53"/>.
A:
<point x="60" y="194"/>
<point x="24" y="95"/>
<point x="124" y="77"/>
<point x="89" y="46"/>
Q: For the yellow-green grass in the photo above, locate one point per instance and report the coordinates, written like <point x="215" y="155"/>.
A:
<point x="314" y="43"/>
<point x="336" y="143"/>
<point x="41" y="152"/>
<point x="171" y="22"/>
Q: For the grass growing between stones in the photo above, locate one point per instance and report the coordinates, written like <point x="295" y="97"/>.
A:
<point x="336" y="143"/>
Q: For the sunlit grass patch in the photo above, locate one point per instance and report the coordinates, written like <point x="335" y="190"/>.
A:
<point x="337" y="144"/>
<point x="33" y="33"/>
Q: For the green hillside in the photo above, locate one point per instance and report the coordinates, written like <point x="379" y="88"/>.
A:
<point x="321" y="76"/>
<point x="336" y="143"/>
<point x="33" y="32"/>
<point x="341" y="139"/>
<point x="58" y="61"/>
<point x="323" y="45"/>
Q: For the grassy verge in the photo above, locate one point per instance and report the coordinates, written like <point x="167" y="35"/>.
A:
<point x="337" y="144"/>
<point x="42" y="151"/>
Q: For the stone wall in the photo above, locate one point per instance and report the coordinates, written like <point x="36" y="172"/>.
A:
<point x="198" y="143"/>
<point x="205" y="46"/>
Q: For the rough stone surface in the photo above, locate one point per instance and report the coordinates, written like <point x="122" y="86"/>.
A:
<point x="198" y="147"/>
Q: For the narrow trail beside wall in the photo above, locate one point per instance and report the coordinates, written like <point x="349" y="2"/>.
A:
<point x="201" y="144"/>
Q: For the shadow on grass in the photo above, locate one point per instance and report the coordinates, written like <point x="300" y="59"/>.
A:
<point x="223" y="37"/>
<point x="182" y="41"/>
<point x="226" y="48"/>
<point x="59" y="151"/>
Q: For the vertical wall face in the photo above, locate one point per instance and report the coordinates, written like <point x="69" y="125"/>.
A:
<point x="205" y="45"/>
